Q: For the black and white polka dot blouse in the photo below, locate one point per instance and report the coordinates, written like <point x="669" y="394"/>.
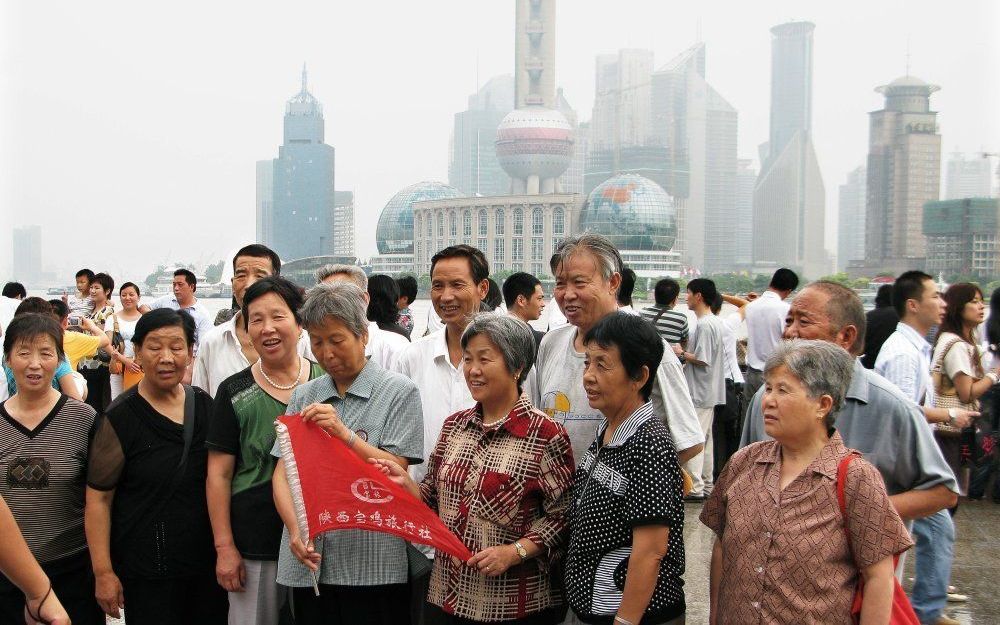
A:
<point x="633" y="480"/>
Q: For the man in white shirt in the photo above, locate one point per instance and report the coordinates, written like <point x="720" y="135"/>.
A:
<point x="13" y="293"/>
<point x="905" y="360"/>
<point x="226" y="349"/>
<point x="588" y="272"/>
<point x="383" y="347"/>
<point x="525" y="300"/>
<point x="705" y="371"/>
<point x="726" y="425"/>
<point x="765" y="317"/>
<point x="185" y="285"/>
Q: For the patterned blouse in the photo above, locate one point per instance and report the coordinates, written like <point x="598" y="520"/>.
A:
<point x="785" y="556"/>
<point x="492" y="485"/>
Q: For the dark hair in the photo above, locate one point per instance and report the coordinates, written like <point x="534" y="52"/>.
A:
<point x="638" y="343"/>
<point x="494" y="298"/>
<point x="478" y="265"/>
<point x="189" y="276"/>
<point x="883" y="297"/>
<point x="14" y="290"/>
<point x="407" y="288"/>
<point x="956" y="297"/>
<point x="383" y="296"/>
<point x="285" y="289"/>
<point x="716" y="304"/>
<point x="666" y="291"/>
<point x="86" y="272"/>
<point x="626" y="287"/>
<point x="519" y="283"/>
<point x="107" y="282"/>
<point x="705" y="288"/>
<point x="909" y="285"/>
<point x="127" y="285"/>
<point x="60" y="310"/>
<point x="164" y="318"/>
<point x="993" y="323"/>
<point x="33" y="305"/>
<point x="29" y="326"/>
<point x="784" y="280"/>
<point x="256" y="250"/>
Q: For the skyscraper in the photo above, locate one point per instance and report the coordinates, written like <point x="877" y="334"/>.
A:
<point x="968" y="178"/>
<point x="474" y="168"/>
<point x="302" y="214"/>
<point x="27" y="252"/>
<point x="904" y="172"/>
<point x="622" y="99"/>
<point x="851" y="219"/>
<point x="746" y="179"/>
<point x="789" y="198"/>
<point x="343" y="223"/>
<point x="265" y="201"/>
<point x="693" y="131"/>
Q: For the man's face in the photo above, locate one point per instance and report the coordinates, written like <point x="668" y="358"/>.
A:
<point x="246" y="271"/>
<point x="534" y="305"/>
<point x="183" y="291"/>
<point x="807" y="319"/>
<point x="454" y="292"/>
<point x="582" y="293"/>
<point x="83" y="285"/>
<point x="930" y="307"/>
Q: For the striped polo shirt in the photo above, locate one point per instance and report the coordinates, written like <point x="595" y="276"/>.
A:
<point x="672" y="324"/>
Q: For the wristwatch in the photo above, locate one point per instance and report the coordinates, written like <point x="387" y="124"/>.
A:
<point x="951" y="417"/>
<point x="521" y="551"/>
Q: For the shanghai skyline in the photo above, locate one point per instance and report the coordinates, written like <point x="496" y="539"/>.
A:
<point x="166" y="138"/>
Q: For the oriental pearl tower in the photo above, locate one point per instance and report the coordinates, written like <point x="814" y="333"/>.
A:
<point x="535" y="141"/>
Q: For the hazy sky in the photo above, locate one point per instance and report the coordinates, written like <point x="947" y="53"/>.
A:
<point x="130" y="133"/>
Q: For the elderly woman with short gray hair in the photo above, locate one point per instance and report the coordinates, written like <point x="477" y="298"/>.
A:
<point x="362" y="575"/>
<point x="499" y="477"/>
<point x="785" y="552"/>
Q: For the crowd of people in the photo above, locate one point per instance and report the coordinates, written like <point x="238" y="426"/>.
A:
<point x="562" y="459"/>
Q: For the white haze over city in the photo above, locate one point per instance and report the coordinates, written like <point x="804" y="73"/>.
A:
<point x="130" y="131"/>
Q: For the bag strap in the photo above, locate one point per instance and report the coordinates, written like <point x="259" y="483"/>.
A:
<point x="939" y="361"/>
<point x="842" y="500"/>
<point x="188" y="427"/>
<point x="114" y="318"/>
<point x="659" y="314"/>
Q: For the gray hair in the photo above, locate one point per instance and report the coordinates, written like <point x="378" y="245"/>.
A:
<point x="822" y="367"/>
<point x="844" y="308"/>
<point x="353" y="272"/>
<point x="341" y="300"/>
<point x="609" y="261"/>
<point x="512" y="337"/>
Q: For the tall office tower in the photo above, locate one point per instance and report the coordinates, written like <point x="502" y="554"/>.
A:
<point x="343" y="223"/>
<point x="746" y="179"/>
<point x="968" y="178"/>
<point x="789" y="198"/>
<point x="27" y="253"/>
<point x="535" y="141"/>
<point x="904" y="172"/>
<point x="265" y="202"/>
<point x="474" y="168"/>
<point x="621" y="114"/>
<point x="572" y="180"/>
<point x="303" y="205"/>
<point x="692" y="135"/>
<point x="851" y="219"/>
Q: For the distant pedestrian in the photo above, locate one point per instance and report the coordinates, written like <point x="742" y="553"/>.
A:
<point x="765" y="319"/>
<point x="525" y="300"/>
<point x="407" y="295"/>
<point x="494" y="296"/>
<point x="96" y="370"/>
<point x="383" y="301"/>
<point x="881" y="322"/>
<point x="123" y="323"/>
<point x="185" y="285"/>
<point x="80" y="303"/>
<point x="671" y="324"/>
<point x="625" y="292"/>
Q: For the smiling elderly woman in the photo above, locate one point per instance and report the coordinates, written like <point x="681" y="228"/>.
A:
<point x="781" y="553"/>
<point x="362" y="575"/>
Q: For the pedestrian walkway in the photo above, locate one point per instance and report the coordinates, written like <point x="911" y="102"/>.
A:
<point x="976" y="569"/>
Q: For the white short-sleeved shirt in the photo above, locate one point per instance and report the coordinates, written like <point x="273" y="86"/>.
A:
<point x="765" y="317"/>
<point x="730" y="325"/>
<point x="443" y="390"/>
<point x="202" y="321"/>
<point x="384" y="346"/>
<point x="707" y="384"/>
<point x="126" y="328"/>
<point x="8" y="305"/>
<point x="555" y="386"/>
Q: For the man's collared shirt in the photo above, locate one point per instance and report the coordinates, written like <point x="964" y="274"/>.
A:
<point x="905" y="360"/>
<point x="443" y="390"/>
<point x="202" y="321"/>
<point x="765" y="317"/>
<point x="221" y="356"/>
<point x="884" y="425"/>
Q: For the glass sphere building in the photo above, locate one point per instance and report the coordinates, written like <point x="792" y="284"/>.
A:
<point x="640" y="219"/>
<point x="394" y="233"/>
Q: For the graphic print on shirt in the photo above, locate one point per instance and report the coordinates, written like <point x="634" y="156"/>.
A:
<point x="28" y="473"/>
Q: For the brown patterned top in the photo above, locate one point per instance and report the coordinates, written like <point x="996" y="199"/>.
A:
<point x="785" y="556"/>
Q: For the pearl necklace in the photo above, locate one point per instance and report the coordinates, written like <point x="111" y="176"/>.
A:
<point x="281" y="387"/>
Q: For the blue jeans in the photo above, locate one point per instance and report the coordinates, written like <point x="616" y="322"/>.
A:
<point x="935" y="550"/>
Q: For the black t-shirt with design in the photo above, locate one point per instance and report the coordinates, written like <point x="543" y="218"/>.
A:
<point x="634" y="480"/>
<point x="243" y="425"/>
<point x="159" y="518"/>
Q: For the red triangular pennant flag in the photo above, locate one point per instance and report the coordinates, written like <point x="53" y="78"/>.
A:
<point x="339" y="491"/>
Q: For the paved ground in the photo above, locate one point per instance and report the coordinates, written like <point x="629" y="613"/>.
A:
<point x="976" y="571"/>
